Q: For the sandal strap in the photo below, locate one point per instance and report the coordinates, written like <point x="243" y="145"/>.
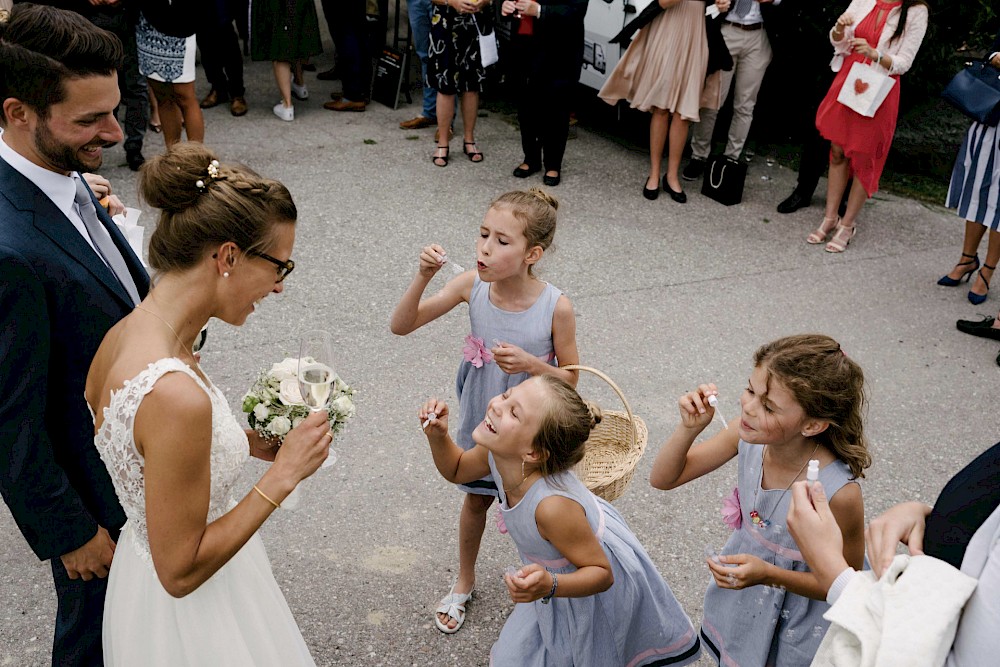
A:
<point x="964" y="254"/>
<point x="453" y="604"/>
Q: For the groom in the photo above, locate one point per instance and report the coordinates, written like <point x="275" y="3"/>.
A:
<point x="67" y="275"/>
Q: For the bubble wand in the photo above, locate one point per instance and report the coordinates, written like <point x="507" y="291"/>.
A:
<point x="713" y="400"/>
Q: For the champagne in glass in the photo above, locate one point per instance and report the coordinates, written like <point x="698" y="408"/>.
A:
<point x="316" y="375"/>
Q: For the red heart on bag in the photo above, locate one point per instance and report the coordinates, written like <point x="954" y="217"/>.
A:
<point x="860" y="86"/>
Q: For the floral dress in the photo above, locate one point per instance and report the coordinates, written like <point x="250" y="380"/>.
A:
<point x="454" y="64"/>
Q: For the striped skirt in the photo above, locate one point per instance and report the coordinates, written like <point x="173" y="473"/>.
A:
<point x="975" y="181"/>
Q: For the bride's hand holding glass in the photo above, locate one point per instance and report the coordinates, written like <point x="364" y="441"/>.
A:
<point x="304" y="449"/>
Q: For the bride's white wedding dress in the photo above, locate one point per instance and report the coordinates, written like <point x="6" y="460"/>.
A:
<point x="239" y="616"/>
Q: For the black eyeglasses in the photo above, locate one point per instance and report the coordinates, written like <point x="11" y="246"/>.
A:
<point x="284" y="268"/>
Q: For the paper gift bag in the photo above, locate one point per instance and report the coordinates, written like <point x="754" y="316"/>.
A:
<point x="724" y="180"/>
<point x="864" y="89"/>
<point x="488" y="53"/>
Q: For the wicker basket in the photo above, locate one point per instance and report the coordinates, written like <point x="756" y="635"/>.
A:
<point x="614" y="447"/>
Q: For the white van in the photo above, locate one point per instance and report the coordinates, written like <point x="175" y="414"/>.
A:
<point x="604" y="20"/>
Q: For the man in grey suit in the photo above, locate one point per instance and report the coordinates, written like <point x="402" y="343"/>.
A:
<point x="66" y="276"/>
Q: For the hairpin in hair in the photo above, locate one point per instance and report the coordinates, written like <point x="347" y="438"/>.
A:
<point x="213" y="174"/>
<point x="4" y="16"/>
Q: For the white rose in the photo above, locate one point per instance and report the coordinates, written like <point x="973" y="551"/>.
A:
<point x="279" y="426"/>
<point x="289" y="392"/>
<point x="261" y="412"/>
<point x="343" y="406"/>
<point x="288" y="369"/>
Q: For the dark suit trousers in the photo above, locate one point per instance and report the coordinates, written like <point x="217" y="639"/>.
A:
<point x="220" y="49"/>
<point x="543" y="105"/>
<point x="348" y="23"/>
<point x="131" y="84"/>
<point x="79" y="619"/>
<point x="815" y="149"/>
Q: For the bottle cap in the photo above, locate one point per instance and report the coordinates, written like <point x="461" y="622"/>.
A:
<point x="812" y="474"/>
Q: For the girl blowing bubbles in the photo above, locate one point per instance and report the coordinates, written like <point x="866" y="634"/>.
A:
<point x="803" y="401"/>
<point x="521" y="326"/>
<point x="588" y="593"/>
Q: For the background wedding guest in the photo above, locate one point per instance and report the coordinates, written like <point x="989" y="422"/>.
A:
<point x="348" y="23"/>
<point x="888" y="33"/>
<point x="455" y="70"/>
<point x="962" y="529"/>
<point x="221" y="55"/>
<point x="664" y="72"/>
<point x="975" y="193"/>
<point x="66" y="276"/>
<point x="545" y="56"/>
<point x="745" y="30"/>
<point x="166" y="41"/>
<point x="285" y="33"/>
<point x="419" y="14"/>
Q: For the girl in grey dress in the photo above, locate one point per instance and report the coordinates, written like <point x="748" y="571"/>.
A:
<point x="520" y="327"/>
<point x="588" y="594"/>
<point x="804" y="401"/>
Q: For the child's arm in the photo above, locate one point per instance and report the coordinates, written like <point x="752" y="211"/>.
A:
<point x="456" y="465"/>
<point x="847" y="506"/>
<point x="563" y="522"/>
<point x="677" y="463"/>
<point x="511" y="359"/>
<point x="412" y="313"/>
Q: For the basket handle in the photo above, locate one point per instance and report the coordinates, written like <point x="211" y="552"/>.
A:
<point x="628" y="408"/>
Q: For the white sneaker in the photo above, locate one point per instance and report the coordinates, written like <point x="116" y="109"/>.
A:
<point x="300" y="92"/>
<point x="284" y="113"/>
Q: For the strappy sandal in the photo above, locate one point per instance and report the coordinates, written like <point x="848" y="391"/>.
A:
<point x="452" y="604"/>
<point x="841" y="238"/>
<point x="443" y="158"/>
<point x="976" y="299"/>
<point x="472" y="154"/>
<point x="947" y="281"/>
<point x="824" y="229"/>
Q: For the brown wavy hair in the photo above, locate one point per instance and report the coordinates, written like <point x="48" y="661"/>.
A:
<point x="565" y="427"/>
<point x="536" y="210"/>
<point x="828" y="385"/>
<point x="237" y="205"/>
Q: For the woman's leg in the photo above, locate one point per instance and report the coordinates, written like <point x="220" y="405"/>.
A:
<point x="836" y="182"/>
<point x="970" y="248"/>
<point x="445" y="114"/>
<point x="659" y="120"/>
<point x="471" y="525"/>
<point x="470" y="110"/>
<point x="297" y="73"/>
<point x="992" y="255"/>
<point x="283" y="77"/>
<point x="678" y="137"/>
<point x="855" y="201"/>
<point x="557" y="103"/>
<point x="170" y="113"/>
<point x="187" y="102"/>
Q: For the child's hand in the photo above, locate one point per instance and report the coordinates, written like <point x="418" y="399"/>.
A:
<point x="432" y="258"/>
<point x="532" y="582"/>
<point x="434" y="417"/>
<point x="511" y="359"/>
<point x="749" y="571"/>
<point x="696" y="413"/>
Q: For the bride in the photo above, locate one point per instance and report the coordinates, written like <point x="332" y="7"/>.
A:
<point x="190" y="582"/>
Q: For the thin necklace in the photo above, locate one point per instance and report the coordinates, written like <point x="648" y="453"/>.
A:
<point x="755" y="517"/>
<point x="521" y="483"/>
<point x="172" y="330"/>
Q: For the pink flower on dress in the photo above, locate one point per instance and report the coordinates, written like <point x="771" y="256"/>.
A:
<point x="501" y="524"/>
<point x="475" y="352"/>
<point x="731" y="513"/>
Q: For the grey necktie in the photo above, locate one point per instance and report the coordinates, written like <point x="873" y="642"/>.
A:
<point x="101" y="239"/>
<point x="743" y="7"/>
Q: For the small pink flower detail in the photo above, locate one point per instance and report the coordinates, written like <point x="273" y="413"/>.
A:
<point x="731" y="513"/>
<point x="501" y="524"/>
<point x="475" y="352"/>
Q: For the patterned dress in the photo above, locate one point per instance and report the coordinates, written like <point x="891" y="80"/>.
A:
<point x="453" y="60"/>
<point x="761" y="625"/>
<point x="635" y="623"/>
<point x="238" y="618"/>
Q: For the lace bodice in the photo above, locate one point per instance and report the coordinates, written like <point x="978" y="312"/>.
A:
<point x="116" y="445"/>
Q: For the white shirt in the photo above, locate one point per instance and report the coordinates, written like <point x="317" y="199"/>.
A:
<point x="753" y="16"/>
<point x="61" y="190"/>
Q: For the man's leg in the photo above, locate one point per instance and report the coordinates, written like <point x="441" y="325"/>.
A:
<point x="420" y="32"/>
<point x="755" y="56"/>
<point x="79" y="618"/>
<point x="701" y="135"/>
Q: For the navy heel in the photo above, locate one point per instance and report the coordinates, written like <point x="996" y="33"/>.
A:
<point x="948" y="281"/>
<point x="976" y="299"/>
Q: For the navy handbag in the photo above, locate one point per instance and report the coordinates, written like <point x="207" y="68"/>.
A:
<point x="975" y="91"/>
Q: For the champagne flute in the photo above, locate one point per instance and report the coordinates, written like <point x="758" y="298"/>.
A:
<point x="316" y="376"/>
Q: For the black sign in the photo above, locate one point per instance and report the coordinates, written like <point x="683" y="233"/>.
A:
<point x="389" y="70"/>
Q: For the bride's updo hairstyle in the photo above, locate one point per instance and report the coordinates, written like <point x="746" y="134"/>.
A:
<point x="204" y="203"/>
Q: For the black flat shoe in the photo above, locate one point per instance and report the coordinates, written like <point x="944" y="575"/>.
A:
<point x="551" y="181"/>
<point x="983" y="328"/>
<point x="650" y="194"/>
<point x="794" y="202"/>
<point x="678" y="197"/>
<point x="524" y="173"/>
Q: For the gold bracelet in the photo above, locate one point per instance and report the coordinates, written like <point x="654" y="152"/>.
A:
<point x="262" y="495"/>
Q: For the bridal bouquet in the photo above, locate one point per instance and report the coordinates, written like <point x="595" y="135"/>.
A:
<point x="274" y="405"/>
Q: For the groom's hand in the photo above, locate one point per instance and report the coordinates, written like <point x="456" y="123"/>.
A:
<point x="91" y="560"/>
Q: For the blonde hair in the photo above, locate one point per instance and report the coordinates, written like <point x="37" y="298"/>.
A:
<point x="828" y="385"/>
<point x="536" y="210"/>
<point x="199" y="210"/>
<point x="565" y="427"/>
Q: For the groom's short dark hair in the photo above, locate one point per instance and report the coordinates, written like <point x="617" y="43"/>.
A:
<point x="41" y="47"/>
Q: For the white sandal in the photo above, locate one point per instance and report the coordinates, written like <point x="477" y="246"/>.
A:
<point x="452" y="604"/>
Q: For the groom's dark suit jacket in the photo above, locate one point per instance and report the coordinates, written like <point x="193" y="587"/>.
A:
<point x="57" y="300"/>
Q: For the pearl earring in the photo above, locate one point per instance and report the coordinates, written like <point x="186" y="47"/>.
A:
<point x="226" y="274"/>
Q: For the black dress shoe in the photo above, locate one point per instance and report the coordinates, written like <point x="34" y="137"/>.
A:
<point x="983" y="328"/>
<point x="331" y="74"/>
<point x="134" y="159"/>
<point x="795" y="201"/>
<point x="650" y="194"/>
<point x="678" y="197"/>
<point x="524" y="173"/>
<point x="551" y="181"/>
<point x="694" y="169"/>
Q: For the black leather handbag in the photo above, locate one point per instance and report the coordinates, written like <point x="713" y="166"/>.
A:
<point x="724" y="180"/>
<point x="975" y="91"/>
